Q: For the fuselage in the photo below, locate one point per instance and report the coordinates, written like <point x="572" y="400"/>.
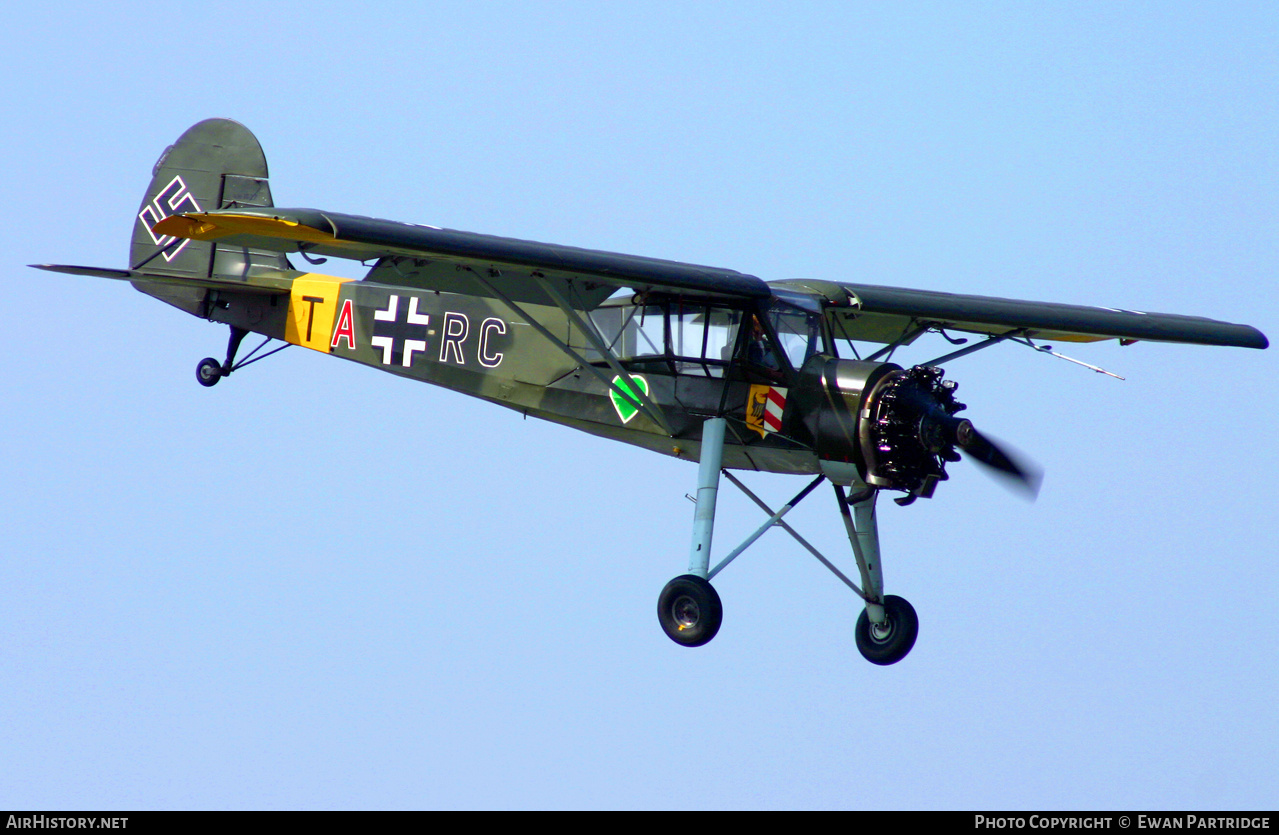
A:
<point x="679" y="350"/>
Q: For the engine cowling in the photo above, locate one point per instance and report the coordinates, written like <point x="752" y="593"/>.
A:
<point x="895" y="424"/>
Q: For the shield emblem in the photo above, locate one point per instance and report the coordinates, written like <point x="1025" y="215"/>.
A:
<point x="764" y="409"/>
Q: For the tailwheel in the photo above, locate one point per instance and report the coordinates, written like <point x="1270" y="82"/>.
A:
<point x="888" y="642"/>
<point x="689" y="610"/>
<point x="208" y="372"/>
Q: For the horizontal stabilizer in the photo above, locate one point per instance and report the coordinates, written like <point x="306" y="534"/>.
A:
<point x="270" y="284"/>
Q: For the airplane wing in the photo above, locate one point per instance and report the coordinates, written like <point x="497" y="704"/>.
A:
<point x="449" y="260"/>
<point x="446" y="259"/>
<point x="884" y="314"/>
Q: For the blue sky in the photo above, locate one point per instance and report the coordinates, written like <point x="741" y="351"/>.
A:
<point x="315" y="586"/>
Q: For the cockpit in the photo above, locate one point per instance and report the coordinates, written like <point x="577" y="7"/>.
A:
<point x="708" y="338"/>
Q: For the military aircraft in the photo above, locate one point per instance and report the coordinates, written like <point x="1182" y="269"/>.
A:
<point x="696" y="362"/>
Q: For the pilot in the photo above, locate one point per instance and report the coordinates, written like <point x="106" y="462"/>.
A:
<point x="759" y="351"/>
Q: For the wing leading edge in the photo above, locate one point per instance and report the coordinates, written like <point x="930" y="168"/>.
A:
<point x="884" y="311"/>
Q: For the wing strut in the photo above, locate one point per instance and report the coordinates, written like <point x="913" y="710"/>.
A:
<point x="1048" y="349"/>
<point x="907" y="336"/>
<point x="656" y="417"/>
<point x="986" y="343"/>
<point x="588" y="330"/>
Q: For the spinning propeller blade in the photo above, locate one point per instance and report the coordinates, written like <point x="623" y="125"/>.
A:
<point x="1024" y="477"/>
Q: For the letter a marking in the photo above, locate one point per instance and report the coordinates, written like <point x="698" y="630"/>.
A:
<point x="345" y="328"/>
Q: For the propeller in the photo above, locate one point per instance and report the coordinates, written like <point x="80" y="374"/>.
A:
<point x="899" y="426"/>
<point x="1022" y="476"/>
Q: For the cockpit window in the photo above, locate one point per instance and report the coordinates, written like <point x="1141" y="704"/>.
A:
<point x="798" y="332"/>
<point x="699" y="337"/>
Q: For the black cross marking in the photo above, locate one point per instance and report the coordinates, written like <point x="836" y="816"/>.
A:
<point x="399" y="330"/>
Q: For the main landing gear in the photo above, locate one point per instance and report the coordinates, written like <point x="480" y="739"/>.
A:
<point x="888" y="642"/>
<point x="689" y="609"/>
<point x="208" y="371"/>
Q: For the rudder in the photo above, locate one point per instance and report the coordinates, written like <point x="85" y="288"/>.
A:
<point x="215" y="164"/>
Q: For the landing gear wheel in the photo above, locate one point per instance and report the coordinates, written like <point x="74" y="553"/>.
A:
<point x="689" y="610"/>
<point x="888" y="643"/>
<point x="208" y="372"/>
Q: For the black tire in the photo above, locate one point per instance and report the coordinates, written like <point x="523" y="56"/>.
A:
<point x="889" y="643"/>
<point x="208" y="372"/>
<point x="689" y="611"/>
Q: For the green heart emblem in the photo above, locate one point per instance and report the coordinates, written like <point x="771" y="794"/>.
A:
<point x="625" y="408"/>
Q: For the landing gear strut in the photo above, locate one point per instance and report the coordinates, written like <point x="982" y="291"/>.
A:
<point x="209" y="370"/>
<point x="689" y="609"/>
<point x="887" y="627"/>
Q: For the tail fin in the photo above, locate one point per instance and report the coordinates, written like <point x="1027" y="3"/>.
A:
<point x="216" y="164"/>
